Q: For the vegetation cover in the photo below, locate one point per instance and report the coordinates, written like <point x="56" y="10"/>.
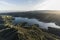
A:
<point x="10" y="31"/>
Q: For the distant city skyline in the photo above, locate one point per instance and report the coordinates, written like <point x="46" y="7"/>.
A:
<point x="27" y="5"/>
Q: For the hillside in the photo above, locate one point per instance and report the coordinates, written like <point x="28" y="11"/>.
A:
<point x="22" y="33"/>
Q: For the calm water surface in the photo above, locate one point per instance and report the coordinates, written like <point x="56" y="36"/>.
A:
<point x="35" y="21"/>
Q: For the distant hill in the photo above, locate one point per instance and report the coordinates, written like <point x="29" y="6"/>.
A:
<point x="45" y="16"/>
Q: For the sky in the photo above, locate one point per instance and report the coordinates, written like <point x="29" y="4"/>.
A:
<point x="27" y="5"/>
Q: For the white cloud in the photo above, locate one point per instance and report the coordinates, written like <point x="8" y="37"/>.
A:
<point x="8" y="6"/>
<point x="48" y="5"/>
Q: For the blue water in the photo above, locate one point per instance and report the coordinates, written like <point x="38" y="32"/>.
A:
<point x="35" y="21"/>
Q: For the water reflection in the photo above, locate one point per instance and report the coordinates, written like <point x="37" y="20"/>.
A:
<point x="35" y="21"/>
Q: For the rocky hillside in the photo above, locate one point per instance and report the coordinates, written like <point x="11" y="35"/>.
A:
<point x="25" y="33"/>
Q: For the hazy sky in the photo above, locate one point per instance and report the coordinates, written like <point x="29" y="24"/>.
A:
<point x="25" y="5"/>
